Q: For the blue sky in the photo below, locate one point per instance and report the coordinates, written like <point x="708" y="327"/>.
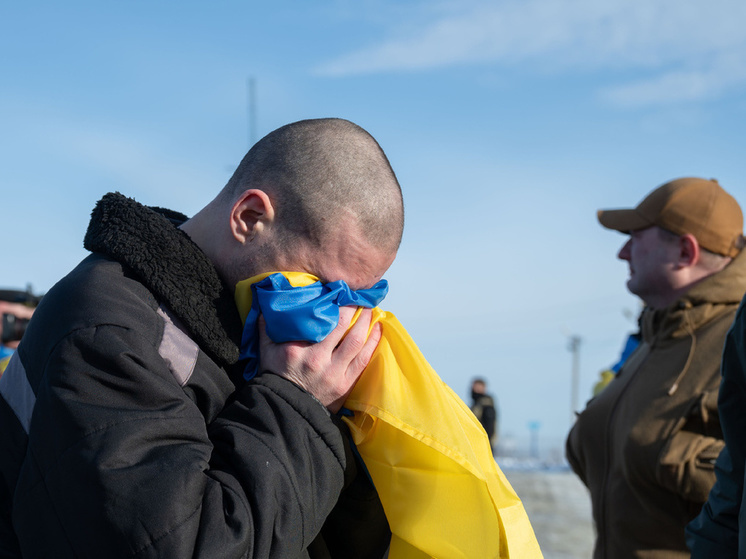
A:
<point x="509" y="123"/>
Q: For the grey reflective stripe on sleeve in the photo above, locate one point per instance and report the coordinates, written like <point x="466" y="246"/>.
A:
<point x="177" y="349"/>
<point x="17" y="392"/>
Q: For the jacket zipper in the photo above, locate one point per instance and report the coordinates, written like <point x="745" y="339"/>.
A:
<point x="607" y="454"/>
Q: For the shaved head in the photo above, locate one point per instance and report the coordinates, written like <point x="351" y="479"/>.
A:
<point x="316" y="196"/>
<point x="321" y="174"/>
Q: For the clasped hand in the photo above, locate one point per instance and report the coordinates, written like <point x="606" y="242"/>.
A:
<point x="328" y="369"/>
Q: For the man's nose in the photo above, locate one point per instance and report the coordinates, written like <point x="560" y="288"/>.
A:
<point x="624" y="252"/>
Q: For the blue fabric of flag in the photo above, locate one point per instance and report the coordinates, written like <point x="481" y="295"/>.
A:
<point x="308" y="313"/>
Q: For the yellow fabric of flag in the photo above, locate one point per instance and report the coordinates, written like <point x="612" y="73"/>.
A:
<point x="427" y="455"/>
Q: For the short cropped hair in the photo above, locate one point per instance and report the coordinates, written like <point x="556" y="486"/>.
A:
<point x="319" y="170"/>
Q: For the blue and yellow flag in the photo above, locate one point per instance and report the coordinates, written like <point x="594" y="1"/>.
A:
<point x="428" y="456"/>
<point x="4" y="364"/>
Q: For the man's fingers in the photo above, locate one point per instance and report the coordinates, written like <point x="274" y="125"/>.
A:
<point x="357" y="365"/>
<point x="354" y="341"/>
<point x="370" y="346"/>
<point x="358" y="347"/>
<point x="346" y="314"/>
<point x="330" y="368"/>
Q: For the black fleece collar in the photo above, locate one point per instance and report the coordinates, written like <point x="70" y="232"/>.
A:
<point x="165" y="259"/>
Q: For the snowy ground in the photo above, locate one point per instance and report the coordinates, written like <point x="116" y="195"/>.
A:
<point x="559" y="508"/>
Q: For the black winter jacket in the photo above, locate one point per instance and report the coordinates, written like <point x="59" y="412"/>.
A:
<point x="128" y="432"/>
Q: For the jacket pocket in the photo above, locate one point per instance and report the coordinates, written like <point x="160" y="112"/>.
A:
<point x="687" y="465"/>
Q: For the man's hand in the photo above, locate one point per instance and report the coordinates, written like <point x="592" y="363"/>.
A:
<point x="330" y="368"/>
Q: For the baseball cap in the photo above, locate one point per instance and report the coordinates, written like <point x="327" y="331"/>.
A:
<point x="687" y="205"/>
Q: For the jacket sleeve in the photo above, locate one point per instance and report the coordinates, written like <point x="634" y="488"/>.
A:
<point x="357" y="526"/>
<point x="122" y="464"/>
<point x="715" y="532"/>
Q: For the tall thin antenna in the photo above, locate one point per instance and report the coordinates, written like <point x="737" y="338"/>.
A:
<point x="251" y="109"/>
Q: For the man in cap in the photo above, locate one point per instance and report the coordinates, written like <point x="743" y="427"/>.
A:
<point x="128" y="429"/>
<point x="646" y="445"/>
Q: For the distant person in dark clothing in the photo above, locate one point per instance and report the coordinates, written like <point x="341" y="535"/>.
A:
<point x="483" y="406"/>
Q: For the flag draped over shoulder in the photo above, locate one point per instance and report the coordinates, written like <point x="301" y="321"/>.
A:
<point x="428" y="456"/>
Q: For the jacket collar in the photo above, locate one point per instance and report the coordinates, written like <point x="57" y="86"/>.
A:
<point x="703" y="302"/>
<point x="167" y="262"/>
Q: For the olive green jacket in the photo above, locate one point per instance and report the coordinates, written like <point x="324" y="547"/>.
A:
<point x="646" y="445"/>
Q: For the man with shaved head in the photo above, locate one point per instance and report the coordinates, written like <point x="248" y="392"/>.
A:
<point x="128" y="427"/>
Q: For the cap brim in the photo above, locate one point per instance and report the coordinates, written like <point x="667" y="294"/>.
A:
<point x="623" y="220"/>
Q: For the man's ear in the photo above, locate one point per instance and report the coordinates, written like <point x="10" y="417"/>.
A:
<point x="250" y="215"/>
<point x="689" y="250"/>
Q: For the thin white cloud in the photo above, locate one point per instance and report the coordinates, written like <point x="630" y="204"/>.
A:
<point x="721" y="74"/>
<point x="694" y="46"/>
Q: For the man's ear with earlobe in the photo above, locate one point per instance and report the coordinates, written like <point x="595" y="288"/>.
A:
<point x="251" y="214"/>
<point x="689" y="250"/>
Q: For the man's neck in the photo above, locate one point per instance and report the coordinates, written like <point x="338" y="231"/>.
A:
<point x="202" y="234"/>
<point x="694" y="278"/>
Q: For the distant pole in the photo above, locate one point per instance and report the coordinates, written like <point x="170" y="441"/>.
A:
<point x="533" y="427"/>
<point x="574" y="347"/>
<point x="251" y="109"/>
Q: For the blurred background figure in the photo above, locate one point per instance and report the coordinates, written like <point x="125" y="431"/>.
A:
<point x="16" y="308"/>
<point x="484" y="408"/>
<point x="630" y="345"/>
